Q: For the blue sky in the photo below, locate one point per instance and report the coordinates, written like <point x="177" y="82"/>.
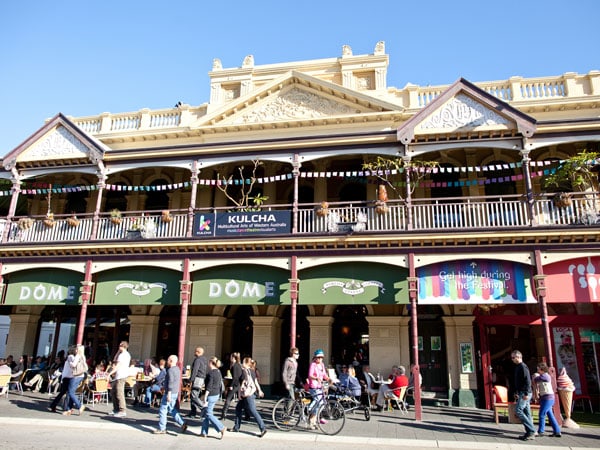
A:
<point x="84" y="58"/>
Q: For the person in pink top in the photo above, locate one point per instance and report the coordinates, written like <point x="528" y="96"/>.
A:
<point x="317" y="373"/>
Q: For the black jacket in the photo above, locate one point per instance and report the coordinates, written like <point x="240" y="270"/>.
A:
<point x="199" y="367"/>
<point x="521" y="380"/>
<point x="213" y="382"/>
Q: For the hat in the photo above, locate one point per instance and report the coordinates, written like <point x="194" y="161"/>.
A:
<point x="318" y="353"/>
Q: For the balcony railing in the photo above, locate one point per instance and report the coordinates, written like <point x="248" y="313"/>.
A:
<point x="430" y="215"/>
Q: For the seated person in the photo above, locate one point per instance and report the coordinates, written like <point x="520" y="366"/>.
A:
<point x="371" y="388"/>
<point x="157" y="383"/>
<point x="349" y="382"/>
<point x="36" y="375"/>
<point x="4" y="370"/>
<point x="395" y="381"/>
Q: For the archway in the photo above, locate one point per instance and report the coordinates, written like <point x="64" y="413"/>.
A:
<point x="350" y="335"/>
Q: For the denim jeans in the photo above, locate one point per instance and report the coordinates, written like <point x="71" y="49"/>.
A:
<point x="149" y="391"/>
<point x="317" y="399"/>
<point x="249" y="405"/>
<point x="523" y="412"/>
<point x="73" y="385"/>
<point x="166" y="408"/>
<point x="546" y="404"/>
<point x="209" y="417"/>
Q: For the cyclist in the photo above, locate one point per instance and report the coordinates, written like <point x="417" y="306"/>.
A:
<point x="317" y="373"/>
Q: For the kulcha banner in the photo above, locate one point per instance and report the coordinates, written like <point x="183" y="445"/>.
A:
<point x="241" y="284"/>
<point x="138" y="286"/>
<point x="359" y="283"/>
<point x="475" y="282"/>
<point x="573" y="281"/>
<point x="242" y="223"/>
<point x="43" y="287"/>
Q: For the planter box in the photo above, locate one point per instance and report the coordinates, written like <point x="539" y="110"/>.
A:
<point x="133" y="235"/>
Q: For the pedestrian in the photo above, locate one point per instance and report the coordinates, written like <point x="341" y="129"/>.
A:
<point x="522" y="393"/>
<point x="543" y="387"/>
<point x="236" y="373"/>
<point x="73" y="373"/>
<point x="213" y="383"/>
<point x="168" y="403"/>
<point x="249" y="386"/>
<point x="199" y="368"/>
<point x="317" y="373"/>
<point x="119" y="372"/>
<point x="289" y="371"/>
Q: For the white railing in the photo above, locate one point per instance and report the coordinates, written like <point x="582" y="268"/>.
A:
<point x="430" y="215"/>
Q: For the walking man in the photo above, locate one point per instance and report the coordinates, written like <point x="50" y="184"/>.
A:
<point x="168" y="404"/>
<point x="521" y="390"/>
<point x="290" y="368"/>
<point x="119" y="374"/>
<point x="199" y="367"/>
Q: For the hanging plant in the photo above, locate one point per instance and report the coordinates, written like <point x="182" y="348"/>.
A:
<point x="73" y="221"/>
<point x="562" y="200"/>
<point x="322" y="210"/>
<point x="25" y="223"/>
<point x="115" y="216"/>
<point x="382" y="197"/>
<point x="166" y="216"/>
<point x="49" y="220"/>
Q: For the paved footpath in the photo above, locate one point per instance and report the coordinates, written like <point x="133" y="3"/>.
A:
<point x="26" y="424"/>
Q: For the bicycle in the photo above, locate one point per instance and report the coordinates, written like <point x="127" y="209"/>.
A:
<point x="287" y="414"/>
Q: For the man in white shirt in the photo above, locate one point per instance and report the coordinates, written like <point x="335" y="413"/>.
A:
<point x="119" y="374"/>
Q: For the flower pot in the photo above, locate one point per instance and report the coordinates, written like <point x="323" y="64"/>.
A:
<point x="49" y="222"/>
<point x="166" y="218"/>
<point x="25" y="223"/>
<point x="115" y="220"/>
<point x="322" y="212"/>
<point x="381" y="207"/>
<point x="73" y="221"/>
<point x="562" y="200"/>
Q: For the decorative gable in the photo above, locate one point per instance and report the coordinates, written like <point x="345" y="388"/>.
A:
<point x="293" y="103"/>
<point x="462" y="113"/>
<point x="56" y="144"/>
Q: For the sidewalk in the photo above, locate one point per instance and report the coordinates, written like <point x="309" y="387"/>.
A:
<point x="441" y="427"/>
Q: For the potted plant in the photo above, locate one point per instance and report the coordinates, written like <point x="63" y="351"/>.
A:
<point x="25" y="223"/>
<point x="49" y="220"/>
<point x="562" y="200"/>
<point x="166" y="216"/>
<point x="323" y="209"/>
<point x="575" y="173"/>
<point x="382" y="198"/>
<point x="73" y="220"/>
<point x="115" y="216"/>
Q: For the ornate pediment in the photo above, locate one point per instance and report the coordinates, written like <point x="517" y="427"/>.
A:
<point x="293" y="104"/>
<point x="56" y="144"/>
<point x="461" y="112"/>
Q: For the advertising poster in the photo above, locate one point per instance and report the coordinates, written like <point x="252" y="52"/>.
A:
<point x="566" y="355"/>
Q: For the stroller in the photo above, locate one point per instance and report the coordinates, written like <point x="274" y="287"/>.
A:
<point x="350" y="402"/>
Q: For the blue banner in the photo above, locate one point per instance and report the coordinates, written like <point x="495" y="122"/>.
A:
<point x="242" y="224"/>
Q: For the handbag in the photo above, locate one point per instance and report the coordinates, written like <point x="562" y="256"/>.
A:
<point x="198" y="383"/>
<point x="247" y="388"/>
<point x="545" y="388"/>
<point x="80" y="368"/>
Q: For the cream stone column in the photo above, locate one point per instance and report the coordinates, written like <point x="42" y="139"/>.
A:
<point x="385" y="343"/>
<point x="320" y="335"/>
<point x="21" y="334"/>
<point x="265" y="347"/>
<point x="459" y="329"/>
<point x="205" y="332"/>
<point x="143" y="330"/>
<point x="405" y="353"/>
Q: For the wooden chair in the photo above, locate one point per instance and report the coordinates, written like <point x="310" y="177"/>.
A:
<point x="4" y="384"/>
<point x="499" y="400"/>
<point x="100" y="390"/>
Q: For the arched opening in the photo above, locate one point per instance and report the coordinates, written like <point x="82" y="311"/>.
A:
<point x="105" y="327"/>
<point x="157" y="200"/>
<point x="302" y="339"/>
<point x="168" y="331"/>
<point x="499" y="180"/>
<point x="116" y="199"/>
<point x="243" y="331"/>
<point x="445" y="182"/>
<point x="350" y="335"/>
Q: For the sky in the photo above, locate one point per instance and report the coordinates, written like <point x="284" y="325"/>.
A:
<point x="84" y="58"/>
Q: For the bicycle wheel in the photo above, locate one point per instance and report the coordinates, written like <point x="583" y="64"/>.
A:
<point x="331" y="417"/>
<point x="286" y="414"/>
<point x="367" y="413"/>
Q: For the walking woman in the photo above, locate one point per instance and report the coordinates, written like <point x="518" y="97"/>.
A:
<point x="543" y="388"/>
<point x="72" y="375"/>
<point x="213" y="383"/>
<point x="236" y="373"/>
<point x="248" y="387"/>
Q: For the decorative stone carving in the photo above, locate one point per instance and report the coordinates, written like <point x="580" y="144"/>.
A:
<point x="294" y="104"/>
<point x="364" y="82"/>
<point x="380" y="48"/>
<point x="248" y="61"/>
<point x="346" y="50"/>
<point x="217" y="64"/>
<point x="462" y="112"/>
<point x="57" y="145"/>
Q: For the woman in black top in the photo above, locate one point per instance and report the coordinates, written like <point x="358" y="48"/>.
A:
<point x="236" y="373"/>
<point x="213" y="383"/>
